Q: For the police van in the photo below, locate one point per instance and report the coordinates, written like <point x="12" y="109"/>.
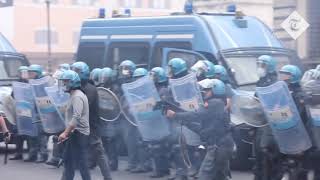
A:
<point x="10" y="61"/>
<point x="230" y="39"/>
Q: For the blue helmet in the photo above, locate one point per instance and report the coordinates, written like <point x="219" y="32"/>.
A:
<point x="294" y="72"/>
<point x="72" y="77"/>
<point x="82" y="69"/>
<point x="140" y="72"/>
<point x="177" y="66"/>
<point x="23" y="68"/>
<point x="210" y="71"/>
<point x="37" y="69"/>
<point x="220" y="72"/>
<point x="106" y="75"/>
<point x="128" y="66"/>
<point x="95" y="74"/>
<point x="217" y="86"/>
<point x="64" y="67"/>
<point x="269" y="62"/>
<point x="159" y="75"/>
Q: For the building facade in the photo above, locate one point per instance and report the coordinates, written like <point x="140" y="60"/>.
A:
<point x="25" y="23"/>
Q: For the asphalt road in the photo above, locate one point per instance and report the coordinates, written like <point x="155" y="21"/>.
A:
<point x="18" y="170"/>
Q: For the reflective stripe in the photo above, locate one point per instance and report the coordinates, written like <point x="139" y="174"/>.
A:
<point x="131" y="36"/>
<point x="175" y="36"/>
<point x="94" y="37"/>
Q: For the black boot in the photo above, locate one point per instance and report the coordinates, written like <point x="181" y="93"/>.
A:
<point x="16" y="157"/>
<point x="31" y="158"/>
<point x="42" y="159"/>
<point x="53" y="162"/>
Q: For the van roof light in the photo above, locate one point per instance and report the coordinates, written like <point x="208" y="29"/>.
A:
<point x="188" y="7"/>
<point x="102" y="13"/>
<point x="231" y="8"/>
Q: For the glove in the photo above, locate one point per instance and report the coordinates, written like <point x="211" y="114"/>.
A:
<point x="7" y="137"/>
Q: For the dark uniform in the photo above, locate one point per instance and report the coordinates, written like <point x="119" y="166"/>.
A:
<point x="215" y="132"/>
<point x="96" y="150"/>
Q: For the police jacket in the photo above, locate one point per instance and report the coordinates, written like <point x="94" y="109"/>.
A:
<point x="91" y="92"/>
<point x="300" y="98"/>
<point x="267" y="80"/>
<point x="212" y="121"/>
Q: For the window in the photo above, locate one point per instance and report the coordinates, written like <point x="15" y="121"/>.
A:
<point x="41" y="37"/>
<point x="92" y="53"/>
<point x="131" y="3"/>
<point x="159" y="4"/>
<point x="158" y="50"/>
<point x="43" y="1"/>
<point x="9" y="66"/>
<point x="138" y="52"/>
<point x="84" y="2"/>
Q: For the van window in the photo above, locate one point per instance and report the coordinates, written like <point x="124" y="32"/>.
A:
<point x="92" y="53"/>
<point x="190" y="58"/>
<point x="8" y="68"/>
<point x="138" y="52"/>
<point x="158" y="50"/>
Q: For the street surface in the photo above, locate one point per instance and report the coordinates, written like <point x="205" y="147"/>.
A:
<point x="19" y="170"/>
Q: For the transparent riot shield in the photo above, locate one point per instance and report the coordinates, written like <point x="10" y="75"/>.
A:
<point x="246" y="109"/>
<point x="25" y="109"/>
<point x="51" y="119"/>
<point x="142" y="97"/>
<point x="109" y="105"/>
<point x="284" y="119"/>
<point x="187" y="94"/>
<point x="59" y="98"/>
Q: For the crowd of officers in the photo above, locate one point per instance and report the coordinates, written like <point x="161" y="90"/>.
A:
<point x="88" y="142"/>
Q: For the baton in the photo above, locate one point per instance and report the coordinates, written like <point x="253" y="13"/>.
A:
<point x="6" y="154"/>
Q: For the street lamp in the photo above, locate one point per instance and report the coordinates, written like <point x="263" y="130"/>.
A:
<point x="49" y="36"/>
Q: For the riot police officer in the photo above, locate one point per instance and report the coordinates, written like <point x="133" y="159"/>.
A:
<point x="143" y="160"/>
<point x="23" y="77"/>
<point x="160" y="148"/>
<point x="95" y="142"/>
<point x="177" y="68"/>
<point x="203" y="69"/>
<point x="213" y="129"/>
<point x="38" y="145"/>
<point x="264" y="142"/>
<point x="77" y="131"/>
<point x="292" y="74"/>
<point x="110" y="131"/>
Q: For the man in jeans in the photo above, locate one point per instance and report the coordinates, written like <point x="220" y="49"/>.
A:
<point x="77" y="132"/>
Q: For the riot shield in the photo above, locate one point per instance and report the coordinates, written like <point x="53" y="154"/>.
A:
<point x="142" y="97"/>
<point x="52" y="121"/>
<point x="25" y="109"/>
<point x="59" y="98"/>
<point x="187" y="93"/>
<point x="284" y="119"/>
<point x="109" y="105"/>
<point x="246" y="109"/>
<point x="312" y="88"/>
<point x="125" y="110"/>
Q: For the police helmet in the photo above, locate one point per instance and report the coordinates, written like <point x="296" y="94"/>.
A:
<point x="268" y="62"/>
<point x="293" y="72"/>
<point x="72" y="78"/>
<point x="177" y="66"/>
<point x="82" y="69"/>
<point x="37" y="69"/>
<point x="217" y="86"/>
<point x="106" y="75"/>
<point x="220" y="72"/>
<point x="127" y="67"/>
<point x="140" y="72"/>
<point x="158" y="75"/>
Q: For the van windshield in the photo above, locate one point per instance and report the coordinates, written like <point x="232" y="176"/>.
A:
<point x="229" y="35"/>
<point x="8" y="69"/>
<point x="244" y="68"/>
<point x="5" y="46"/>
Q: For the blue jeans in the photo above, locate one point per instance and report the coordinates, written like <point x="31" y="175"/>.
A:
<point x="76" y="155"/>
